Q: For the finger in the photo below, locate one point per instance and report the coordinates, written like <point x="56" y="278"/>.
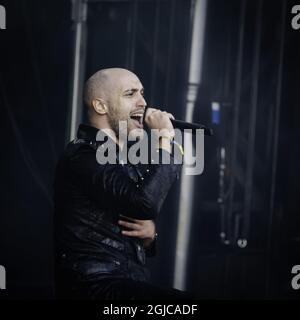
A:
<point x="150" y="110"/>
<point x="152" y="113"/>
<point x="130" y="225"/>
<point x="169" y="115"/>
<point x="131" y="233"/>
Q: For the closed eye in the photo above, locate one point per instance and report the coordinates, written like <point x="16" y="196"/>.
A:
<point x="130" y="93"/>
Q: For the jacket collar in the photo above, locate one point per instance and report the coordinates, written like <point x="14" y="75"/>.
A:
<point x="88" y="134"/>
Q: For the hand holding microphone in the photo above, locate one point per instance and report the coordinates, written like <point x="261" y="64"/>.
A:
<point x="161" y="120"/>
<point x="178" y="124"/>
<point x="157" y="119"/>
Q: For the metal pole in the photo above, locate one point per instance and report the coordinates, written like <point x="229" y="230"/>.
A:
<point x="187" y="182"/>
<point x="79" y="15"/>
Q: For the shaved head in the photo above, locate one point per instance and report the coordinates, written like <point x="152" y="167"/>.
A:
<point x="104" y="83"/>
<point x="113" y="95"/>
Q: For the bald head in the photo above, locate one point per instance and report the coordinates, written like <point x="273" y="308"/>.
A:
<point x="104" y="83"/>
<point x="111" y="95"/>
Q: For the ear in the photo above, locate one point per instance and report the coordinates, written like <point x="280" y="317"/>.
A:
<point x="99" y="106"/>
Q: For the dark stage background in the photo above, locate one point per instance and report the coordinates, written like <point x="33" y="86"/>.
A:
<point x="251" y="68"/>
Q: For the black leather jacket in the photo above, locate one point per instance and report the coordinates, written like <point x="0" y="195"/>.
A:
<point x="89" y="198"/>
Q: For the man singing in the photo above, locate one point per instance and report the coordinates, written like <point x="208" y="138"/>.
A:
<point x="105" y="213"/>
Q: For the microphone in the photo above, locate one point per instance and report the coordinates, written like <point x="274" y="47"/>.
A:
<point x="181" y="125"/>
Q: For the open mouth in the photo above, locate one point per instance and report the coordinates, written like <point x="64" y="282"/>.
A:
<point x="138" y="119"/>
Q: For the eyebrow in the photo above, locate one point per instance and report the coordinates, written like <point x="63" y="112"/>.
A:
<point x="134" y="90"/>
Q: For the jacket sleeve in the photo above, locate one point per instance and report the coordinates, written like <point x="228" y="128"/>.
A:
<point x="110" y="184"/>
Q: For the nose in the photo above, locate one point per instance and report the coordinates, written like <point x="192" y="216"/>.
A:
<point x="141" y="102"/>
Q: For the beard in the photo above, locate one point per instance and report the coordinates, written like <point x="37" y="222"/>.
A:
<point x="114" y="119"/>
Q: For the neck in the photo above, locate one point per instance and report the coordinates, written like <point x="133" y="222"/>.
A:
<point x="108" y="130"/>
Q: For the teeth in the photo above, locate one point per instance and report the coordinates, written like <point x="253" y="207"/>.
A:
<point x="136" y="115"/>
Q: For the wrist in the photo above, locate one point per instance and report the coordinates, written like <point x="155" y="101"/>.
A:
<point x="147" y="242"/>
<point x="165" y="143"/>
